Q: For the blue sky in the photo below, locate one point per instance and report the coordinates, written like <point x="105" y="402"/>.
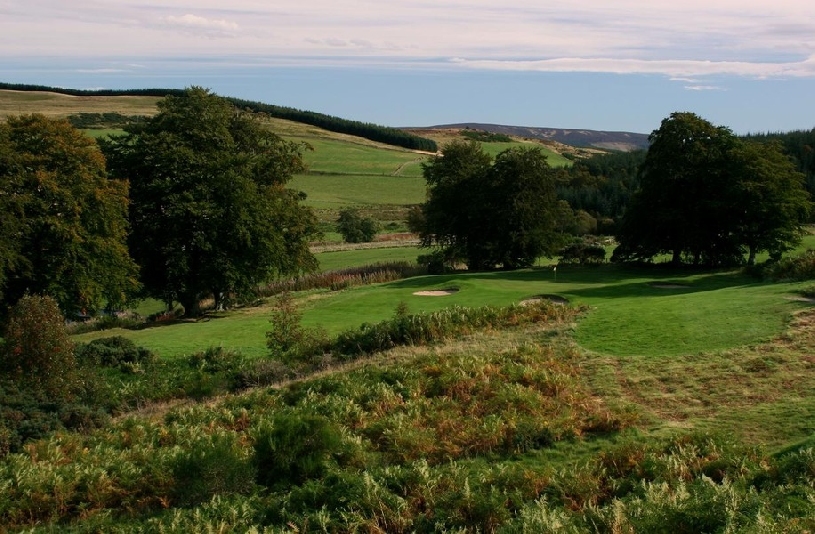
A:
<point x="592" y="64"/>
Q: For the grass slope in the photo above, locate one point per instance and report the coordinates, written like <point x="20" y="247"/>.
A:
<point x="628" y="314"/>
<point x="52" y="104"/>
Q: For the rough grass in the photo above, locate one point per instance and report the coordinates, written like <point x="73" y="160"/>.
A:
<point x="53" y="104"/>
<point x="762" y="394"/>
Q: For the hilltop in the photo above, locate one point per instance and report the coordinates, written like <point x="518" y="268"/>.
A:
<point x="16" y="100"/>
<point x="622" y="141"/>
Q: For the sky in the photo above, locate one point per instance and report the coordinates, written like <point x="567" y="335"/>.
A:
<point x="587" y="64"/>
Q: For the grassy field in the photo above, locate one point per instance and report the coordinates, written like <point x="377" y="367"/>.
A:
<point x="341" y="191"/>
<point x="629" y="313"/>
<point x="96" y="133"/>
<point x="554" y="159"/>
<point x="341" y="259"/>
<point x="19" y="102"/>
<point x="330" y="156"/>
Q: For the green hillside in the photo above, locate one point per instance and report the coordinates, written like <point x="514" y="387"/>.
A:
<point x="373" y="397"/>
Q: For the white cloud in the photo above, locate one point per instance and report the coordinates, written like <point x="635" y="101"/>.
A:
<point x="704" y="88"/>
<point x="686" y="40"/>
<point x="207" y="26"/>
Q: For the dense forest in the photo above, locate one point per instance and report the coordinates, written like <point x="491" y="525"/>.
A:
<point x="800" y="146"/>
<point x="602" y="185"/>
<point x="374" y="132"/>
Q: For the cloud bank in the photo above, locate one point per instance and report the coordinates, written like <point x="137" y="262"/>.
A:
<point x="688" y="39"/>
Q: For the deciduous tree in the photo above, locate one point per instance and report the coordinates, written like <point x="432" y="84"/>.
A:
<point x="500" y="214"/>
<point x="709" y="197"/>
<point x="64" y="224"/>
<point x="355" y="228"/>
<point x="209" y="208"/>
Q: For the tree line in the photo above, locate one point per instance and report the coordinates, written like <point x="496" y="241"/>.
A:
<point x="373" y="132"/>
<point x="190" y="204"/>
<point x="699" y="194"/>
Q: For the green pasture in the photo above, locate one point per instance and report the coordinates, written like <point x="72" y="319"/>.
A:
<point x="97" y="133"/>
<point x="341" y="259"/>
<point x="628" y="314"/>
<point x="339" y="191"/>
<point x="345" y="157"/>
<point x="553" y="158"/>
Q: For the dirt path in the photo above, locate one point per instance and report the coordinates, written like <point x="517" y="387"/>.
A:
<point x="401" y="167"/>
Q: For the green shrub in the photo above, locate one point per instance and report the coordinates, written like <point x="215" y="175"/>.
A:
<point x="355" y="228"/>
<point x="293" y="448"/>
<point x="793" y="268"/>
<point x="37" y="350"/>
<point x="212" y="465"/>
<point x="436" y="262"/>
<point x="425" y="328"/>
<point x="288" y="340"/>
<point x="583" y="253"/>
<point x="113" y="352"/>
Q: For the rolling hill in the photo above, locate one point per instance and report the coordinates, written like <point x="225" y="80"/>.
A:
<point x="623" y="141"/>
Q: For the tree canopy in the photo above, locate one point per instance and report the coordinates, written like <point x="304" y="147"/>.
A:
<point x="355" y="228"/>
<point x="64" y="224"/>
<point x="709" y="197"/>
<point x="209" y="208"/>
<point x="490" y="214"/>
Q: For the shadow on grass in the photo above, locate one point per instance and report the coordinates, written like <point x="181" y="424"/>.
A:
<point x="604" y="281"/>
<point x="667" y="286"/>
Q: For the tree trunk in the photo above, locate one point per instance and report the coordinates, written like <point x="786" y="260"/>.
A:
<point x="677" y="257"/>
<point x="192" y="305"/>
<point x="751" y="259"/>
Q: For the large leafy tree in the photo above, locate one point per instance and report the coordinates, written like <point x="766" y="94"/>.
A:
<point x="770" y="200"/>
<point x="452" y="198"/>
<point x="677" y="209"/>
<point x="709" y="197"/>
<point x="490" y="214"/>
<point x="209" y="208"/>
<point x="64" y="223"/>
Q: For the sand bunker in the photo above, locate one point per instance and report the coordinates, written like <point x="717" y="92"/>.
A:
<point x="554" y="299"/>
<point x="436" y="292"/>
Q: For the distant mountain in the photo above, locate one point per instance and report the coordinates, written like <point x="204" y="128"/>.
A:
<point x="623" y="141"/>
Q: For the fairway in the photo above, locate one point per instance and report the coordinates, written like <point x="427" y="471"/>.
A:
<point x="629" y="311"/>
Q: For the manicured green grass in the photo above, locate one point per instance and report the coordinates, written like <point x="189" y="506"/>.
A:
<point x="339" y="191"/>
<point x="345" y="157"/>
<point x="628" y="315"/>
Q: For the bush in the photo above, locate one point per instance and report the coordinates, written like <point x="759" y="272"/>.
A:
<point x="37" y="350"/>
<point x="356" y="228"/>
<point x="211" y="465"/>
<point x="583" y="253"/>
<point x="291" y="449"/>
<point x="795" y="268"/>
<point x="345" y="278"/>
<point x="288" y="340"/>
<point x="435" y="262"/>
<point x="113" y="352"/>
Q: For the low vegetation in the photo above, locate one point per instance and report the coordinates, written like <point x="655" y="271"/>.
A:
<point x="577" y="396"/>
